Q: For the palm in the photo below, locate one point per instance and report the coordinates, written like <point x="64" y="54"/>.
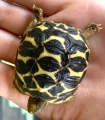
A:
<point x="89" y="101"/>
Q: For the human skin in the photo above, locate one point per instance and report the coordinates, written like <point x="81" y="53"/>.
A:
<point x="89" y="101"/>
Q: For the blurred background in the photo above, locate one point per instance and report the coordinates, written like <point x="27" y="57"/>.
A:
<point x="9" y="111"/>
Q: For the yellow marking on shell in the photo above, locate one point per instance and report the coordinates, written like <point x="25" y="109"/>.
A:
<point x="24" y="75"/>
<point x="55" y="27"/>
<point x="17" y="87"/>
<point x="66" y="27"/>
<point x="52" y="74"/>
<point x="39" y="88"/>
<point x="41" y="71"/>
<point x="24" y="59"/>
<point x="42" y="27"/>
<point x="70" y="97"/>
<point x="47" y="54"/>
<point x="21" y="77"/>
<point x="78" y="54"/>
<point x="88" y="50"/>
<point x="87" y="43"/>
<point x="27" y="93"/>
<point x="60" y="39"/>
<point x="77" y="37"/>
<point x="65" y="31"/>
<point x="33" y="89"/>
<point x="65" y="89"/>
<point x="73" y="73"/>
<point x="31" y="40"/>
<point x="57" y="24"/>
<point x="67" y="99"/>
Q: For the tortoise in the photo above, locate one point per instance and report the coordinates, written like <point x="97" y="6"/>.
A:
<point x="51" y="61"/>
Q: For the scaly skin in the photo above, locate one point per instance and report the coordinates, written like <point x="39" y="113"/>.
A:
<point x="89" y="101"/>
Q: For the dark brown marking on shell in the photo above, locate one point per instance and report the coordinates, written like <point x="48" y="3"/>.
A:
<point x="26" y="49"/>
<point x="62" y="74"/>
<point x="23" y="68"/>
<point x="67" y="42"/>
<point x="57" y="89"/>
<point x="20" y="83"/>
<point x="71" y="81"/>
<point x="44" y="80"/>
<point x="72" y="31"/>
<point x="64" y="58"/>
<point x="87" y="56"/>
<point x="64" y="96"/>
<point x="54" y="47"/>
<point x="34" y="68"/>
<point x="38" y="51"/>
<point x="82" y="76"/>
<point x="49" y="25"/>
<point x="42" y="95"/>
<point x="77" y="64"/>
<point x="63" y="23"/>
<point x="76" y="47"/>
<point x="29" y="82"/>
<point x="73" y="45"/>
<point x="49" y="64"/>
<point x="36" y="33"/>
<point x="84" y="39"/>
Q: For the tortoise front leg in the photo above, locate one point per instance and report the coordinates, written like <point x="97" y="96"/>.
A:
<point x="90" y="29"/>
<point x="38" y="13"/>
<point x="35" y="104"/>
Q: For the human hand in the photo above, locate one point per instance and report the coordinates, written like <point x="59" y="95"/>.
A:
<point x="89" y="101"/>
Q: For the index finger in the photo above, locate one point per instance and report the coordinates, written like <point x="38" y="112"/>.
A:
<point x="49" y="7"/>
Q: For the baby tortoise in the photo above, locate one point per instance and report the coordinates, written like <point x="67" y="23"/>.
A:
<point x="51" y="61"/>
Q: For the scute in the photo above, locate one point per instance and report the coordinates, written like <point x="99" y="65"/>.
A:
<point x="54" y="47"/>
<point x="53" y="67"/>
<point x="56" y="89"/>
<point x="77" y="64"/>
<point x="29" y="82"/>
<point x="44" y="81"/>
<point x="26" y="49"/>
<point x="71" y="81"/>
<point x="62" y="74"/>
<point x="49" y="64"/>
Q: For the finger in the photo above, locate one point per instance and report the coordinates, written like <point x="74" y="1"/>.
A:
<point x="8" y="46"/>
<point x="49" y="6"/>
<point x="14" y="18"/>
<point x="6" y="89"/>
<point x="74" y="14"/>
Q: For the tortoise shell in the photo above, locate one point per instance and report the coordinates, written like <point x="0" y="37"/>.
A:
<point x="51" y="61"/>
